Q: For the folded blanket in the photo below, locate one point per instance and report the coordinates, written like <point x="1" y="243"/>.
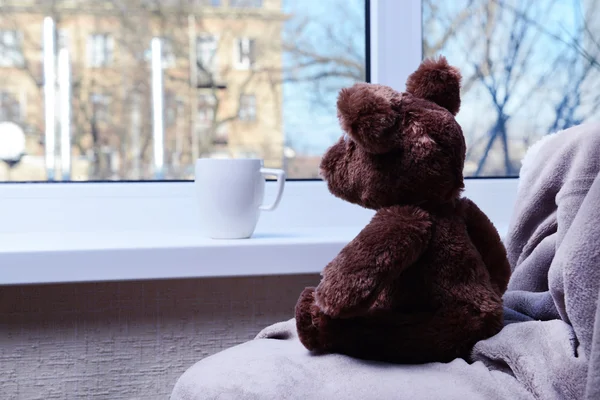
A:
<point x="547" y="350"/>
<point x="553" y="246"/>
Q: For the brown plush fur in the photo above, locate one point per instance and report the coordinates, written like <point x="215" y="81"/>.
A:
<point x="424" y="280"/>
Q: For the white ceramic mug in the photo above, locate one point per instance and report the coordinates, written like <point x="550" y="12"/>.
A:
<point x="230" y="195"/>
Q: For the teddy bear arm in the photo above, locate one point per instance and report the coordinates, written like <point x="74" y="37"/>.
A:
<point x="393" y="241"/>
<point x="488" y="243"/>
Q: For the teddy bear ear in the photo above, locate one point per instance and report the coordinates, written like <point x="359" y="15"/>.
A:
<point x="437" y="81"/>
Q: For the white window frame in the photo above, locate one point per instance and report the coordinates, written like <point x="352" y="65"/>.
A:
<point x="73" y="232"/>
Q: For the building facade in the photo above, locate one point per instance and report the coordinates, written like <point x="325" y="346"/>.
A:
<point x="222" y="71"/>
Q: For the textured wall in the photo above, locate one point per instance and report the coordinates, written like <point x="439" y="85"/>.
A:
<point x="128" y="340"/>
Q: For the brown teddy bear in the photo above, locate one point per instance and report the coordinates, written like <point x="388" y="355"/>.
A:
<point x="424" y="280"/>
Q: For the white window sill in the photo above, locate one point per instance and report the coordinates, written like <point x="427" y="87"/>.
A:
<point x="55" y="233"/>
<point x="85" y="257"/>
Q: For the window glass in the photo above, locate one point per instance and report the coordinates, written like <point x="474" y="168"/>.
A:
<point x="240" y="78"/>
<point x="529" y="68"/>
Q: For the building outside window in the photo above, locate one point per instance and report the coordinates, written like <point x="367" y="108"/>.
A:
<point x="169" y="58"/>
<point x="100" y="107"/>
<point x="10" y="107"/>
<point x="245" y="53"/>
<point x="206" y="109"/>
<point x="100" y="48"/>
<point x="247" y="110"/>
<point x="63" y="39"/>
<point x="206" y="54"/>
<point x="11" y="48"/>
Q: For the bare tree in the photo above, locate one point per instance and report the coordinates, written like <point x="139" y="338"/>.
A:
<point x="324" y="55"/>
<point x="531" y="73"/>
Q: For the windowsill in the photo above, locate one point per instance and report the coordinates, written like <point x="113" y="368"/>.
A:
<point x="108" y="256"/>
<point x="87" y="232"/>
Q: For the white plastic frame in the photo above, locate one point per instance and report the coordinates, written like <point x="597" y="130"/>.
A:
<point x="125" y="224"/>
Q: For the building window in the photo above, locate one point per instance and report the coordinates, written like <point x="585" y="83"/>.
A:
<point x="206" y="59"/>
<point x="168" y="53"/>
<point x="100" y="49"/>
<point x="174" y="108"/>
<point x="245" y="53"/>
<point x="11" y="48"/>
<point x="221" y="135"/>
<point x="206" y="109"/>
<point x="247" y="111"/>
<point x="245" y="3"/>
<point x="10" y="107"/>
<point x="63" y="39"/>
<point x="100" y="107"/>
<point x="170" y="109"/>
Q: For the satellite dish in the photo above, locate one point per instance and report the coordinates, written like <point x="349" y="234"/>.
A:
<point x="12" y="141"/>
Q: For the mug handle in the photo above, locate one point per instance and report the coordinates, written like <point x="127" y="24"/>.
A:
<point x="280" y="174"/>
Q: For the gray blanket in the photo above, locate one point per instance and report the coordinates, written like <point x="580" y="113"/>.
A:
<point x="553" y="246"/>
<point x="549" y="348"/>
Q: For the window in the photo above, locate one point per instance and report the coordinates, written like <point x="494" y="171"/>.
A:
<point x="169" y="58"/>
<point x="247" y="107"/>
<point x="309" y="50"/>
<point x="206" y="109"/>
<point x="206" y="54"/>
<point x="246" y="3"/>
<point x="100" y="49"/>
<point x="11" y="50"/>
<point x="100" y="104"/>
<point x="168" y="53"/>
<point x="245" y="53"/>
<point x="63" y="39"/>
<point x="173" y="108"/>
<point x="10" y="107"/>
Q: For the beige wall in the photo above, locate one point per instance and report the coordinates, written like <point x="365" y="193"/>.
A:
<point x="128" y="340"/>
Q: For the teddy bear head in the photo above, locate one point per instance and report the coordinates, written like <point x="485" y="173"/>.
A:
<point x="399" y="148"/>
